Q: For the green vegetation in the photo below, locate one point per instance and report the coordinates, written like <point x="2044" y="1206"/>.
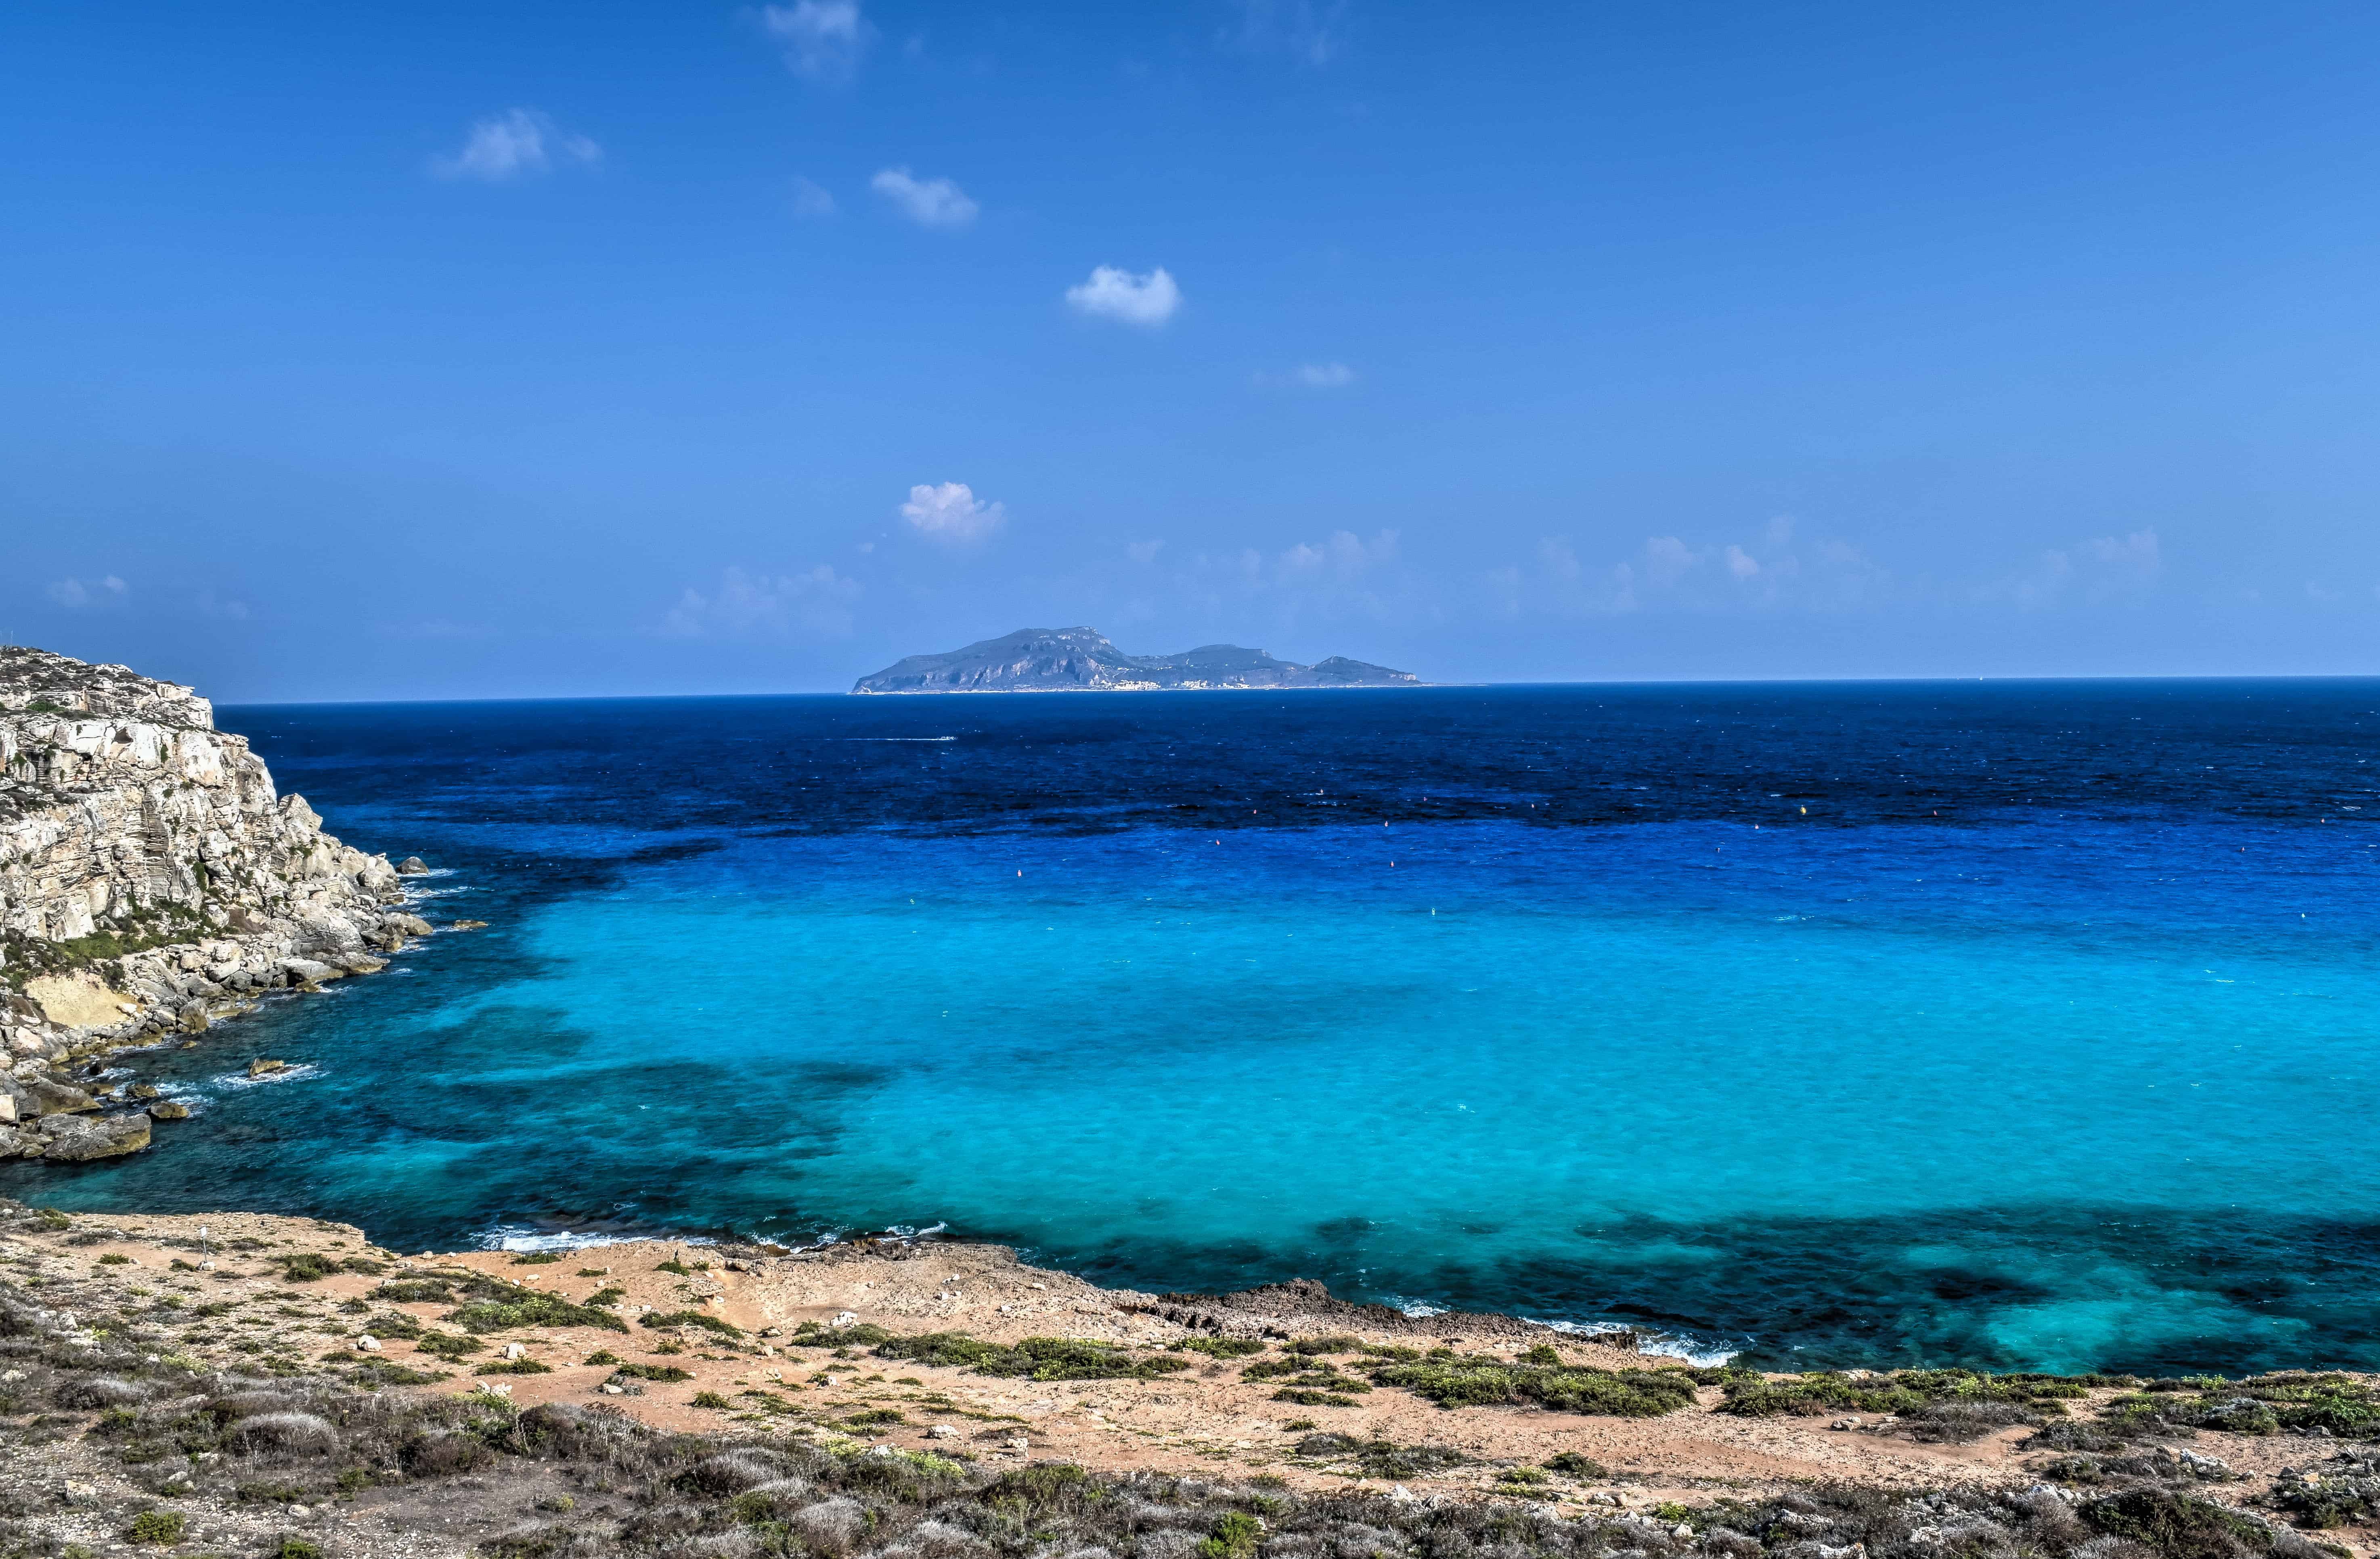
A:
<point x="810" y="1335"/>
<point x="416" y="1291"/>
<point x="515" y="1367"/>
<point x="448" y="1346"/>
<point x="674" y="1266"/>
<point x="1219" y="1347"/>
<point x="662" y="1372"/>
<point x="1576" y="1464"/>
<point x="1454" y="1381"/>
<point x="112" y="1260"/>
<point x="157" y="1525"/>
<point x="1312" y="1345"/>
<point x="537" y="1258"/>
<point x="711" y="1399"/>
<point x="2293" y="1403"/>
<point x="875" y="1415"/>
<point x="507" y="1305"/>
<point x="602" y="1356"/>
<point x="1039" y="1358"/>
<point x="594" y="1271"/>
<point x="1234" y="1536"/>
<point x="1380" y="1458"/>
<point x="662" y="1320"/>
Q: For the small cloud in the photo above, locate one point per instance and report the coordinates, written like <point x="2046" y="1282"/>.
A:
<point x="1118" y="295"/>
<point x="1144" y="551"/>
<point x="823" y="39"/>
<point x="75" y="592"/>
<point x="521" y="142"/>
<point x="1325" y="375"/>
<point x="1303" y="30"/>
<point x="812" y="200"/>
<point x="2098" y="569"/>
<point x="952" y="513"/>
<point x="928" y="203"/>
<point x="745" y="604"/>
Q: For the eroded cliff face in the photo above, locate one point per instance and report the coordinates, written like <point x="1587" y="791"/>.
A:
<point x="150" y="878"/>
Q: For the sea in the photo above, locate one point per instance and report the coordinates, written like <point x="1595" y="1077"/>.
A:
<point x="2019" y="1024"/>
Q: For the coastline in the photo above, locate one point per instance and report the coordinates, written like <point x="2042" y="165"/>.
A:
<point x="925" y="1355"/>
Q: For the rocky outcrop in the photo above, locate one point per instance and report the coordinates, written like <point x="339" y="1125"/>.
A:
<point x="1080" y="660"/>
<point x="150" y="882"/>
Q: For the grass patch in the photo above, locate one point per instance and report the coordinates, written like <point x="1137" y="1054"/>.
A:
<point x="537" y="1258"/>
<point x="1219" y="1347"/>
<point x="448" y="1346"/>
<point x="515" y="1306"/>
<point x="1039" y="1359"/>
<point x="662" y="1320"/>
<point x="515" y="1367"/>
<point x="158" y="1526"/>
<point x="1458" y="1382"/>
<point x="662" y="1372"/>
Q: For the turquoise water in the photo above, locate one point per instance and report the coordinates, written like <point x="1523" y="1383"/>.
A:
<point x="2049" y="1083"/>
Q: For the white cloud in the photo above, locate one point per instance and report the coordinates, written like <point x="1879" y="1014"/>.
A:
<point x="1667" y="572"/>
<point x="100" y="591"/>
<point x="952" y="513"/>
<point x="812" y="199"/>
<point x="1325" y="375"/>
<point x="1144" y="551"/>
<point x="2098" y="569"/>
<point x="1301" y="29"/>
<point x="746" y="604"/>
<point x="1114" y="294"/>
<point x="520" y="143"/>
<point x="929" y="202"/>
<point x="823" y="39"/>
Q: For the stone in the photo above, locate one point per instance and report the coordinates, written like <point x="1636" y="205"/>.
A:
<point x="367" y="1343"/>
<point x="412" y="866"/>
<point x="944" y="1431"/>
<point x="263" y="1068"/>
<point x="306" y="971"/>
<point x="52" y="1098"/>
<point x="145" y="1091"/>
<point x="468" y="926"/>
<point x="15" y="1144"/>
<point x="411" y="925"/>
<point x="76" y="1139"/>
<point x="168" y="1109"/>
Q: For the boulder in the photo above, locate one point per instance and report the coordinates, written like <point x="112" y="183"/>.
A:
<point x="55" y="1098"/>
<point x="168" y="1109"/>
<point x="410" y="925"/>
<point x="15" y="1144"/>
<point x="77" y="1139"/>
<point x="306" y="971"/>
<point x="412" y="866"/>
<point x="261" y="1067"/>
<point x="362" y="963"/>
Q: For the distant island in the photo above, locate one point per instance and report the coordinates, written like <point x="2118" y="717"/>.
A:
<point x="1080" y="660"/>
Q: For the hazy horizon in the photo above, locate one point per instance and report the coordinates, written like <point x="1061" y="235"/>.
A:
<point x="421" y="352"/>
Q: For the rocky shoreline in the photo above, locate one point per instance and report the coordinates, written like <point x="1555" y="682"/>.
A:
<point x="280" y="1385"/>
<point x="151" y="883"/>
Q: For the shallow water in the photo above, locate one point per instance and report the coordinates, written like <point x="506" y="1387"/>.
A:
<point x="2020" y="1025"/>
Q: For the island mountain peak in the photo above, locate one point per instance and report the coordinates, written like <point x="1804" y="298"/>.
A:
<point x="1082" y="660"/>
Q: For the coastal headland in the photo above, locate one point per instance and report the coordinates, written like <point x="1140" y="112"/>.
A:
<point x="151" y="883"/>
<point x="265" y="1377"/>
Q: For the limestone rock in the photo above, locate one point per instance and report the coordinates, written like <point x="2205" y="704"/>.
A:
<point x="168" y="1109"/>
<point x="124" y="813"/>
<point x="53" y="1097"/>
<point x="263" y="1068"/>
<point x="412" y="866"/>
<point x="408" y="925"/>
<point x="78" y="1138"/>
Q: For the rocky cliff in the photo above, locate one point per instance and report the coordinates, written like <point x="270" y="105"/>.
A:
<point x="1078" y="660"/>
<point x="150" y="882"/>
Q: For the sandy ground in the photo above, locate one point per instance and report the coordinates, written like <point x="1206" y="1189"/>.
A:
<point x="1206" y="1420"/>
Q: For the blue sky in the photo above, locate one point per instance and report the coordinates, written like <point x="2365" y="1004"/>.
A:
<point x="445" y="351"/>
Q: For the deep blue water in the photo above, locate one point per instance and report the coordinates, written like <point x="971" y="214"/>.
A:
<point x="2022" y="1025"/>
